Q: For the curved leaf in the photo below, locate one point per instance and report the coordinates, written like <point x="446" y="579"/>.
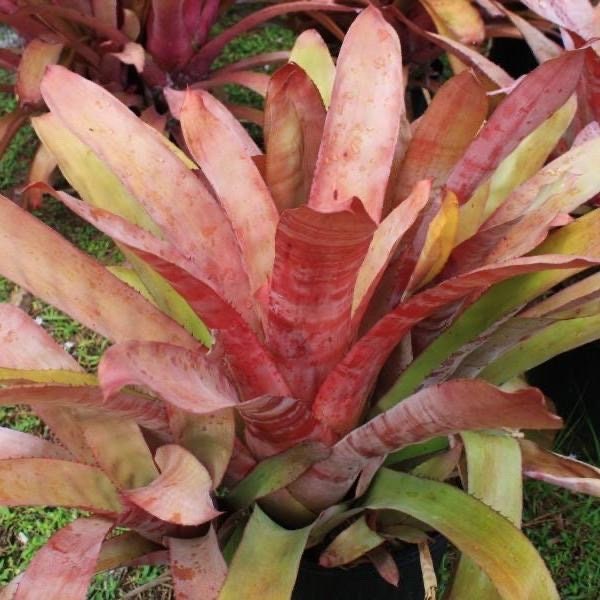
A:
<point x="266" y="562"/>
<point x="494" y="477"/>
<point x="57" y="272"/>
<point x="559" y="470"/>
<point x="443" y="409"/>
<point x="63" y="568"/>
<point x="183" y="378"/>
<point x="197" y="566"/>
<point x="181" y="493"/>
<point x="491" y="541"/>
<point x="275" y="473"/>
<point x="517" y="116"/>
<point x="136" y="154"/>
<point x="442" y="134"/>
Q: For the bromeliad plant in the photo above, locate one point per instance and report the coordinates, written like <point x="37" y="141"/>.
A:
<point x="135" y="50"/>
<point x="310" y="341"/>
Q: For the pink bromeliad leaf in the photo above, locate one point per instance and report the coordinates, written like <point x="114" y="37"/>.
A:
<point x="341" y="398"/>
<point x="294" y="419"/>
<point x="16" y="444"/>
<point x="146" y="411"/>
<point x="362" y="123"/>
<point x="137" y="155"/>
<point x="54" y="270"/>
<point x="539" y="95"/>
<point x="250" y="207"/>
<point x="317" y="259"/>
<point x="438" y="410"/>
<point x="64" y="567"/>
<point x="559" y="470"/>
<point x="294" y="120"/>
<point x="197" y="566"/>
<point x="181" y="493"/>
<point x="183" y="378"/>
<point x="442" y="135"/>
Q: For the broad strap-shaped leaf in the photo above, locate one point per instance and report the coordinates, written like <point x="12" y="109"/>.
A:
<point x="37" y="55"/>
<point x="543" y="345"/>
<point x="84" y="170"/>
<point x="494" y="477"/>
<point x="386" y="240"/>
<point x="576" y="300"/>
<point x="450" y="407"/>
<point x="64" y="567"/>
<point x="518" y="115"/>
<point x="294" y="120"/>
<point x="563" y="471"/>
<point x="318" y="256"/>
<point x="16" y="444"/>
<point x="484" y="536"/>
<point x="181" y="377"/>
<point x="442" y="134"/>
<point x="353" y="542"/>
<point x="54" y="482"/>
<point x="293" y="419"/>
<point x="362" y="123"/>
<point x="519" y="166"/>
<point x="144" y="410"/>
<point x="120" y="451"/>
<point x="57" y="272"/>
<point x="341" y="398"/>
<point x="181" y="493"/>
<point x="255" y="370"/>
<point x="136" y="154"/>
<point x="250" y="208"/>
<point x="266" y="562"/>
<point x="197" y="566"/>
<point x="275" y="473"/>
<point x="579" y="237"/>
<point x="310" y="52"/>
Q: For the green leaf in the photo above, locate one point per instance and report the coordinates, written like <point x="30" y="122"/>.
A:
<point x="275" y="473"/>
<point x="492" y="541"/>
<point x="542" y="346"/>
<point x="494" y="477"/>
<point x="352" y="543"/>
<point x="266" y="562"/>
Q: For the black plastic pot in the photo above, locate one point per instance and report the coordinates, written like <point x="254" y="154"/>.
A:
<point x="363" y="582"/>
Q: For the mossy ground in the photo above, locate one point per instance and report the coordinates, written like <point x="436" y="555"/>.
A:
<point x="563" y="526"/>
